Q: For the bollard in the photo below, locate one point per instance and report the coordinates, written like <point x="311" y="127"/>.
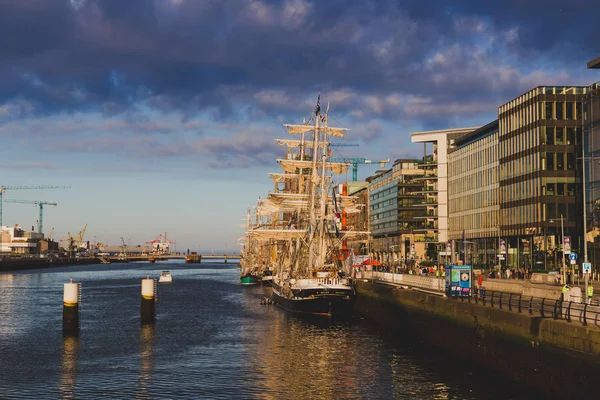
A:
<point x="148" y="300"/>
<point x="71" y="307"/>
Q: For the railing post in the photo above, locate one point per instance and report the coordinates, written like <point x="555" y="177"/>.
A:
<point x="569" y="312"/>
<point x="556" y="309"/>
<point x="531" y="306"/>
<point x="492" y="301"/>
<point x="585" y="314"/>
<point x="510" y="302"/>
<point x="542" y="308"/>
<point x="500" y="305"/>
<point x="520" y="296"/>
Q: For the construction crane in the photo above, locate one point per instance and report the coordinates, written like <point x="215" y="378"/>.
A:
<point x="160" y="241"/>
<point x="39" y="203"/>
<point x="75" y="240"/>
<point x="4" y="188"/>
<point x="356" y="161"/>
<point x="50" y="234"/>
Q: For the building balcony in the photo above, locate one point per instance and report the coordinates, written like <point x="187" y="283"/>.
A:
<point x="426" y="229"/>
<point x="428" y="190"/>
<point x="427" y="239"/>
<point x="427" y="178"/>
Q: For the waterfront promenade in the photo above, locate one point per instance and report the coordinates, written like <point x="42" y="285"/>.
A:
<point x="539" y="341"/>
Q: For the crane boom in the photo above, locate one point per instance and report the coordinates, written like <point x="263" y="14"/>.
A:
<point x="356" y="161"/>
<point x="39" y="203"/>
<point x="3" y="189"/>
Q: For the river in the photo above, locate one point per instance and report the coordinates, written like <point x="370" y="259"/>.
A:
<point x="212" y="339"/>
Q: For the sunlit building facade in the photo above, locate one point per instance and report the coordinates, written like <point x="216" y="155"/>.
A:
<point x="473" y="201"/>
<point x="539" y="143"/>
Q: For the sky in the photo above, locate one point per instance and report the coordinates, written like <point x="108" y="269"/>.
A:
<point x="161" y="115"/>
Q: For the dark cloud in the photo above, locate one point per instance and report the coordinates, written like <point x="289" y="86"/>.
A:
<point x="235" y="58"/>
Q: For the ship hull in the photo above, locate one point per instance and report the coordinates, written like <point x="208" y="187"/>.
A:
<point x="328" y="303"/>
<point x="249" y="280"/>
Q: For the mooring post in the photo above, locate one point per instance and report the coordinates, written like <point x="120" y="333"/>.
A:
<point x="72" y="292"/>
<point x="148" y="300"/>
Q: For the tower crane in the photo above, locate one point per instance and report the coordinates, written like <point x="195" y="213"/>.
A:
<point x="5" y="188"/>
<point x="356" y="161"/>
<point x="39" y="203"/>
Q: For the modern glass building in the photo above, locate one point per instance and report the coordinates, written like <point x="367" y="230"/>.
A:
<point x="397" y="212"/>
<point x="473" y="201"/>
<point x="540" y="173"/>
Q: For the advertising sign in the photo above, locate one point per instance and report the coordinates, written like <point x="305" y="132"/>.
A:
<point x="458" y="280"/>
<point x="502" y="246"/>
<point x="567" y="244"/>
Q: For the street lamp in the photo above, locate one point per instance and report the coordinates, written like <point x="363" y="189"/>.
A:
<point x="562" y="233"/>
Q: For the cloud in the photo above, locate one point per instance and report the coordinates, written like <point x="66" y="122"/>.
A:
<point x="118" y="76"/>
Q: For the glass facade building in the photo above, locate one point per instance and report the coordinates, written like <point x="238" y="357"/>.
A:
<point x="473" y="201"/>
<point x="539" y="140"/>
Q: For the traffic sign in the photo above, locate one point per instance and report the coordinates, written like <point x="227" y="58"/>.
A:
<point x="573" y="256"/>
<point x="587" y="268"/>
<point x="573" y="262"/>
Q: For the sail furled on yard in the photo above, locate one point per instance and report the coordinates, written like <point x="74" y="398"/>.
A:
<point x="291" y="166"/>
<point x="291" y="143"/>
<point x="297" y="129"/>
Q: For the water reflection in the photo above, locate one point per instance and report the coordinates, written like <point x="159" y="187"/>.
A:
<point x="146" y="364"/>
<point x="68" y="371"/>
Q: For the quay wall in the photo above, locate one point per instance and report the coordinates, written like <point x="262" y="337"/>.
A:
<point x="555" y="357"/>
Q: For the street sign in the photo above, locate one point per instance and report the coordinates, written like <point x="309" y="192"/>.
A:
<point x="573" y="261"/>
<point x="573" y="256"/>
<point x="587" y="268"/>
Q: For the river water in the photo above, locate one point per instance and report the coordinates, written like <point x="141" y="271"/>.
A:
<point x="212" y="339"/>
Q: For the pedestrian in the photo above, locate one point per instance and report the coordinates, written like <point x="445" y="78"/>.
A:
<point x="590" y="293"/>
<point x="563" y="292"/>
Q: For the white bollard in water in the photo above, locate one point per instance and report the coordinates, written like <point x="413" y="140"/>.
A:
<point x="71" y="307"/>
<point x="148" y="299"/>
<point x="148" y="289"/>
<point x="71" y="294"/>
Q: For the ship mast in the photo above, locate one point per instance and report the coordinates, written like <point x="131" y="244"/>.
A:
<point x="313" y="194"/>
<point x="321" y="261"/>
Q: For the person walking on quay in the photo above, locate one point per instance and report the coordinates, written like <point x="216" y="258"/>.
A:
<point x="563" y="292"/>
<point x="590" y="293"/>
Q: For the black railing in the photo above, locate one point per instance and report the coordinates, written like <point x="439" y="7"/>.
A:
<point x="543" y="307"/>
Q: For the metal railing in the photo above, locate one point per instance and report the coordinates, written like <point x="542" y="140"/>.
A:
<point x="570" y="311"/>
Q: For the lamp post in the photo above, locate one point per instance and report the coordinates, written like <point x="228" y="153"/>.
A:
<point x="562" y="233"/>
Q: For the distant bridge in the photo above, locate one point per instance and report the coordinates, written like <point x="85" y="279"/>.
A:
<point x="146" y="257"/>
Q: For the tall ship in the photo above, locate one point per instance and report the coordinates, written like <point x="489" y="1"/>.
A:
<point x="302" y="227"/>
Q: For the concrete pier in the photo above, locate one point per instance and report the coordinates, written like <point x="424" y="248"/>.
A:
<point x="555" y="357"/>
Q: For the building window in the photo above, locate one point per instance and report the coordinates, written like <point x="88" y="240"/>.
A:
<point x="560" y="189"/>
<point x="549" y="135"/>
<point x="550" y="161"/>
<point x="560" y="161"/>
<point x="570" y="161"/>
<point x="569" y="110"/>
<point x="570" y="136"/>
<point x="559" y="110"/>
<point x="562" y="210"/>
<point x="550" y="189"/>
<point x="571" y="189"/>
<point x="549" y="108"/>
<point x="560" y="136"/>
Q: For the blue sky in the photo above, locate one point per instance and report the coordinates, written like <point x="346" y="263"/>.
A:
<point x="162" y="114"/>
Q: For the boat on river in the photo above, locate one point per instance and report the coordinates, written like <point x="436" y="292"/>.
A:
<point x="165" y="277"/>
